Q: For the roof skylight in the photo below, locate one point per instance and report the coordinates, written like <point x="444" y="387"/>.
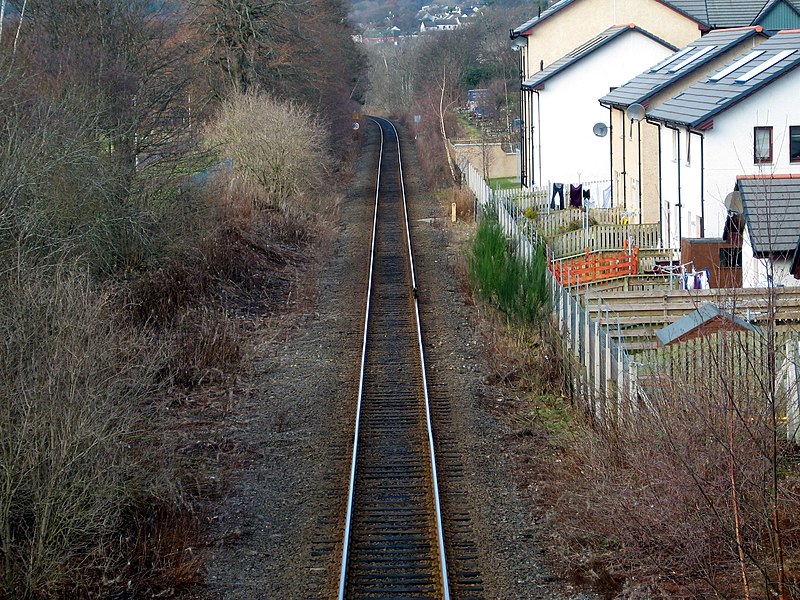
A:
<point x="764" y="66"/>
<point x="672" y="59"/>
<point x="692" y="58"/>
<point x="737" y="65"/>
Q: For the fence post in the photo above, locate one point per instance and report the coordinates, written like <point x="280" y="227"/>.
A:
<point x="588" y="352"/>
<point x="599" y="356"/>
<point x="633" y="390"/>
<point x="620" y="379"/>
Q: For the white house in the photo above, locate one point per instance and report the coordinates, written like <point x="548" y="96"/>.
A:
<point x="565" y="108"/>
<point x="742" y="120"/>
<point x="633" y="141"/>
<point x="567" y="24"/>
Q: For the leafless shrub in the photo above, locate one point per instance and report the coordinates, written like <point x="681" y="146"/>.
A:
<point x="678" y="498"/>
<point x="278" y="145"/>
<point x="207" y="345"/>
<point x="69" y="379"/>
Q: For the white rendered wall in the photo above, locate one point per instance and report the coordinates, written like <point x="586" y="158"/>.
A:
<point x="680" y="183"/>
<point x="728" y="152"/>
<point x="567" y="108"/>
<point x="755" y="270"/>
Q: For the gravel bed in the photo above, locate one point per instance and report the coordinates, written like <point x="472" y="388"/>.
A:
<point x="275" y="534"/>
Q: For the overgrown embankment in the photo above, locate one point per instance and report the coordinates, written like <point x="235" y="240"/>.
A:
<point x="127" y="285"/>
<point x="690" y="492"/>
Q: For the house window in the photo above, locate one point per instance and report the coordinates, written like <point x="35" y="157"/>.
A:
<point x="688" y="149"/>
<point x="762" y="145"/>
<point x="730" y="258"/>
<point x="794" y="144"/>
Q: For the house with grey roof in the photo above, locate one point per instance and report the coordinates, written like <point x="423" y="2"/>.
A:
<point x="770" y="206"/>
<point x="740" y="121"/>
<point x="564" y="102"/>
<point x="633" y="141"/>
<point x="567" y="24"/>
<point x="770" y="14"/>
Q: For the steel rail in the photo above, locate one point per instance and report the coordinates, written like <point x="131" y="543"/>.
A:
<point x="351" y="492"/>
<point x="434" y="473"/>
<point x="427" y="405"/>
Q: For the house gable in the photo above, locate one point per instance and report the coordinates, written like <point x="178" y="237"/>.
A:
<point x="538" y="80"/>
<point x="779" y="14"/>
<point x="569" y="23"/>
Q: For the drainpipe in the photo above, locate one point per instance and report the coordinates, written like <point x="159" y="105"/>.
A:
<point x="611" y="150"/>
<point x="679" y="204"/>
<point x="539" y="133"/>
<point x="523" y="173"/>
<point x="624" y="169"/>
<point x="639" y="157"/>
<point x="702" y="186"/>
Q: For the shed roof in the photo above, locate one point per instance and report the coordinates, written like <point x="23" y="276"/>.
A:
<point x="747" y="74"/>
<point x="704" y="314"/>
<point x="772" y="211"/>
<point x="566" y="61"/>
<point x="708" y="47"/>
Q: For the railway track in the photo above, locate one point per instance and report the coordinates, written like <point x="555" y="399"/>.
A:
<point x="393" y="545"/>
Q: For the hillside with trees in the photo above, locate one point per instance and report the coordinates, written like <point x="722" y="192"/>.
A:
<point x="142" y="220"/>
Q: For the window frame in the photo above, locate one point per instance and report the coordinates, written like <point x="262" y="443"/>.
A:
<point x="769" y="158"/>
<point x="730" y="258"/>
<point x="794" y="130"/>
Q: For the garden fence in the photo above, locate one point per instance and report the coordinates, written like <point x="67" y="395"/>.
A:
<point x="598" y="369"/>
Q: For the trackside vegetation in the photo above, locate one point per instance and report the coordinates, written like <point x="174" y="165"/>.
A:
<point x="499" y="276"/>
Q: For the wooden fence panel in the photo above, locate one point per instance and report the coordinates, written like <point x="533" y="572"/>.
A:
<point x="604" y="237"/>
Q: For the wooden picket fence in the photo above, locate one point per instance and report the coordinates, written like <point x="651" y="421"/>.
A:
<point x="535" y="198"/>
<point x="596" y="266"/>
<point x="604" y="237"/>
<point x="598" y="369"/>
<point x="736" y="363"/>
<point x="558" y="222"/>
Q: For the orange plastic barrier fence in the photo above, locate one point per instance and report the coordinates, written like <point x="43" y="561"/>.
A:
<point x="596" y="267"/>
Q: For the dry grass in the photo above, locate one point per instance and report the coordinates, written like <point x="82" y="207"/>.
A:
<point x="465" y="203"/>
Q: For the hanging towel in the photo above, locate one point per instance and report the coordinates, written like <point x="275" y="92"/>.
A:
<point x="606" y="198"/>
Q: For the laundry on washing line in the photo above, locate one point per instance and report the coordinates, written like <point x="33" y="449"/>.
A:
<point x="558" y="190"/>
<point x="695" y="280"/>
<point x="576" y="195"/>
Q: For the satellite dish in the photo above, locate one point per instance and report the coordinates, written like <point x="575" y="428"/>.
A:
<point x="635" y="112"/>
<point x="600" y="129"/>
<point x="733" y="201"/>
